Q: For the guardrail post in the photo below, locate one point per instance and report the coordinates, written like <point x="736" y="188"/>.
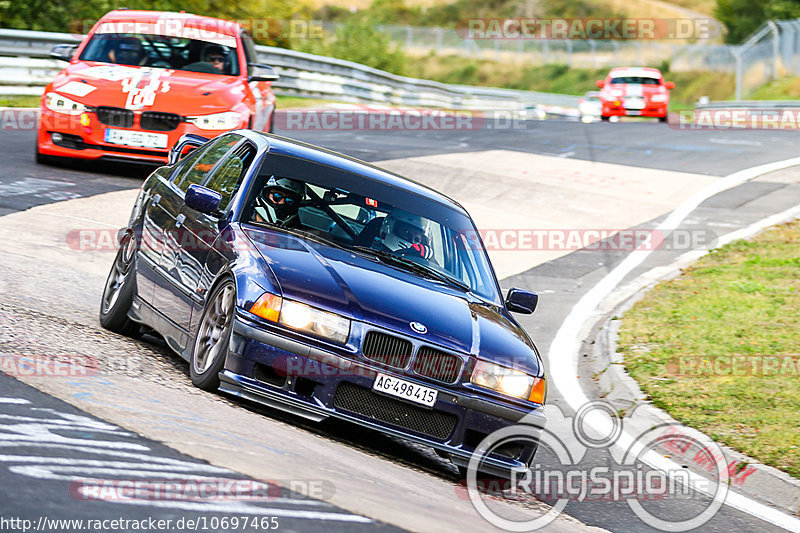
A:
<point x="569" y="52"/>
<point x="737" y="55"/>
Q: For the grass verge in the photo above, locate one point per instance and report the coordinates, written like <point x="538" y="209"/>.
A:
<point x="718" y="347"/>
<point x="689" y="86"/>
<point x="19" y="101"/>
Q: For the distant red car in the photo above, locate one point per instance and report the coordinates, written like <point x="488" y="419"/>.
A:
<point x="635" y="91"/>
<point x="142" y="79"/>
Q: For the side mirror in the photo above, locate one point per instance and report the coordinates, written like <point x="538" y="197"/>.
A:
<point x="521" y="301"/>
<point x="63" y="52"/>
<point x="600" y="83"/>
<point x="202" y="199"/>
<point x="669" y="85"/>
<point x="179" y="150"/>
<point x="259" y="72"/>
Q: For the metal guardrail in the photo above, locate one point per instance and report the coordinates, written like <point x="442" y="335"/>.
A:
<point x="25" y="68"/>
<point x="750" y="104"/>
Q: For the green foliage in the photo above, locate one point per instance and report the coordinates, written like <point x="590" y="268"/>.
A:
<point x="358" y="40"/>
<point x="743" y="17"/>
<point x="78" y="16"/>
<point x="448" y="14"/>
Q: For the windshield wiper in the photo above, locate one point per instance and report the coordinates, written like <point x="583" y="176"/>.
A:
<point x="413" y="266"/>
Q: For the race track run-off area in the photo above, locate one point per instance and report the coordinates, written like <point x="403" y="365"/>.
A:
<point x="539" y="194"/>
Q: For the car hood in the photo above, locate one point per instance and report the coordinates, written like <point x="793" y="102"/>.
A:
<point x="373" y="292"/>
<point x="148" y="88"/>
<point x="637" y="89"/>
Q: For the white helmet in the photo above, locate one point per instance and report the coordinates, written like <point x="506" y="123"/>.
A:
<point x="288" y="192"/>
<point x="401" y="229"/>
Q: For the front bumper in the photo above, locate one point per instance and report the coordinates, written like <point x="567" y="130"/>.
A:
<point x="88" y="142"/>
<point x="318" y="384"/>
<point x="651" y="109"/>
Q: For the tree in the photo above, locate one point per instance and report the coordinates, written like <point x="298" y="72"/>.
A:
<point x="743" y="17"/>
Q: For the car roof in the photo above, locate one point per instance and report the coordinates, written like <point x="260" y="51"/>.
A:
<point x="635" y="71"/>
<point x="225" y="27"/>
<point x="291" y="147"/>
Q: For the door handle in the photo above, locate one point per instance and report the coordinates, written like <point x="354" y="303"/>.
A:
<point x="179" y="220"/>
<point x="156" y="199"/>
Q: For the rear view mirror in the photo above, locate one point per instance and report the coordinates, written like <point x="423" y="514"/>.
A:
<point x="521" y="301"/>
<point x="63" y="52"/>
<point x="669" y="85"/>
<point x="600" y="83"/>
<point x="259" y="72"/>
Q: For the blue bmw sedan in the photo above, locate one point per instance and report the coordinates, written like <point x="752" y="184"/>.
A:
<point x="321" y="285"/>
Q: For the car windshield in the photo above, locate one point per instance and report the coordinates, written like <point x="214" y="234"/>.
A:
<point x="212" y="56"/>
<point x="636" y="80"/>
<point x="398" y="227"/>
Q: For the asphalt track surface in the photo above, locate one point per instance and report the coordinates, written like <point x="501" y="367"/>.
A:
<point x="561" y="282"/>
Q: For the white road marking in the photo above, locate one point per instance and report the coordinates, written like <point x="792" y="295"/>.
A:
<point x="735" y="141"/>
<point x="30" y="431"/>
<point x="30" y="186"/>
<point x="563" y="353"/>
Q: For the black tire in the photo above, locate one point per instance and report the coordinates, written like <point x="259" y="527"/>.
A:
<point x="663" y="119"/>
<point x="604" y="118"/>
<point x="210" y="347"/>
<point x="118" y="292"/>
<point x="272" y="120"/>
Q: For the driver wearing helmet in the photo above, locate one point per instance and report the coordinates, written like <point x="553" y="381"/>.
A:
<point x="279" y="201"/>
<point x="127" y="51"/>
<point x="406" y="234"/>
<point x="215" y="56"/>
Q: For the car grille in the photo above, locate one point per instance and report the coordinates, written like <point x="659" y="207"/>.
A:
<point x="438" y="365"/>
<point x="434" y="424"/>
<point x="387" y="349"/>
<point x="155" y="121"/>
<point x="115" y="116"/>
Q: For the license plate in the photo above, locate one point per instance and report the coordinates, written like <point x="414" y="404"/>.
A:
<point x="633" y="113"/>
<point x="405" y="389"/>
<point x="136" y="138"/>
<point x="634" y="103"/>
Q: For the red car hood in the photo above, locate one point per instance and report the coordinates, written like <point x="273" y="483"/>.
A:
<point x="148" y="88"/>
<point x="636" y="89"/>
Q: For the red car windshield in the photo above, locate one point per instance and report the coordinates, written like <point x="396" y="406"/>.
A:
<point x="138" y="49"/>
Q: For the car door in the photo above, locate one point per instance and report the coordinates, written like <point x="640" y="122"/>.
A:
<point x="178" y="266"/>
<point x="261" y="90"/>
<point x="154" y="221"/>
<point x="204" y="229"/>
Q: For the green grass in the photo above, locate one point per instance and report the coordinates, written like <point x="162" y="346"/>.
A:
<point x="782" y="89"/>
<point x="19" y="101"/>
<point x="689" y="86"/>
<point x="742" y="300"/>
<point x="283" y="102"/>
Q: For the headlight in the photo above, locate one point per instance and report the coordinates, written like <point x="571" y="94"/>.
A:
<point x="227" y="120"/>
<point x="61" y="104"/>
<point x="302" y="317"/>
<point x="508" y="381"/>
<point x="658" y="98"/>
